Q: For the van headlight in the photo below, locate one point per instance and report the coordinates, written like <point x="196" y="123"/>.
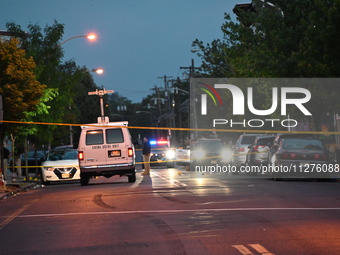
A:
<point x="170" y="154"/>
<point x="198" y="154"/>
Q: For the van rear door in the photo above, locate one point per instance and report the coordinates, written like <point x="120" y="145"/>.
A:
<point x="93" y="147"/>
<point x="116" y="146"/>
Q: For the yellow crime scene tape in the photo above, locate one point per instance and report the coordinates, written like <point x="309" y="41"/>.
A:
<point x="173" y="128"/>
<point x="179" y="129"/>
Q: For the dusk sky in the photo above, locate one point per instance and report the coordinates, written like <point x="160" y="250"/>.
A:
<point x="138" y="40"/>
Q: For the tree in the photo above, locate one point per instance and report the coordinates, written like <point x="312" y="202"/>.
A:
<point x="291" y="39"/>
<point x="19" y="88"/>
<point x="64" y="78"/>
<point x="118" y="107"/>
<point x="44" y="49"/>
<point x="18" y="84"/>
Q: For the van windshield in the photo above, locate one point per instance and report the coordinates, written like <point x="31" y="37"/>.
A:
<point x="114" y="135"/>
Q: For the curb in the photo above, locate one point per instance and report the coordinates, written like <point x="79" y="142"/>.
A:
<point x="13" y="189"/>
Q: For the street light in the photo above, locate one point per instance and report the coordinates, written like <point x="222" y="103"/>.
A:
<point x="98" y="70"/>
<point x="195" y="50"/>
<point x="89" y="36"/>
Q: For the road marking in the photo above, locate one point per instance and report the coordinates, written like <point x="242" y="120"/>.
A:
<point x="176" y="211"/>
<point x="261" y="249"/>
<point x="173" y="181"/>
<point x="136" y="184"/>
<point x="15" y="214"/>
<point x="244" y="250"/>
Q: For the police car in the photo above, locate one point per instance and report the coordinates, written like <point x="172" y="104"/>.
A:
<point x="161" y="153"/>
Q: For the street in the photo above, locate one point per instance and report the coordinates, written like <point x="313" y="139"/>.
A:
<point x="170" y="212"/>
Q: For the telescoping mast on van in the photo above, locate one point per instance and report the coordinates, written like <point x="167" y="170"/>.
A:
<point x="105" y="148"/>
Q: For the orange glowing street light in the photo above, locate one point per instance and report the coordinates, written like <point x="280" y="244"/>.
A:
<point x="89" y="36"/>
<point x="98" y="70"/>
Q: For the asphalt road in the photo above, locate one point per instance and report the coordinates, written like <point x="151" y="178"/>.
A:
<point x="170" y="212"/>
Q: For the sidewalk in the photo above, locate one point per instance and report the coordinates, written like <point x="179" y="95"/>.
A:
<point x="11" y="188"/>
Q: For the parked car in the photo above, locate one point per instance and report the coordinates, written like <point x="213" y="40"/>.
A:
<point x="300" y="157"/>
<point x="182" y="156"/>
<point x="63" y="147"/>
<point x="161" y="153"/>
<point x="241" y="148"/>
<point x="34" y="161"/>
<point x="277" y="140"/>
<point x="61" y="165"/>
<point x="210" y="151"/>
<point x="258" y="151"/>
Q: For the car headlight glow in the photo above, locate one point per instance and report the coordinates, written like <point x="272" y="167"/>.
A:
<point x="226" y="155"/>
<point x="170" y="154"/>
<point x="198" y="154"/>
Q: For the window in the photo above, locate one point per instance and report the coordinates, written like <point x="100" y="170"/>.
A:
<point x="94" y="137"/>
<point x="71" y="154"/>
<point x="62" y="155"/>
<point x="114" y="135"/>
<point x="248" y="139"/>
<point x="303" y="144"/>
<point x="265" y="141"/>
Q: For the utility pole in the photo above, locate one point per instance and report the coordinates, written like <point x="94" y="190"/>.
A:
<point x="192" y="100"/>
<point x="166" y="88"/>
<point x="191" y="69"/>
<point x="165" y="80"/>
<point x="157" y="99"/>
<point x="170" y="109"/>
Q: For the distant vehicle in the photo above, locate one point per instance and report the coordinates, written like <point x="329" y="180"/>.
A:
<point x="61" y="165"/>
<point x="106" y="149"/>
<point x="34" y="158"/>
<point x="210" y="151"/>
<point x="258" y="151"/>
<point x="63" y="147"/>
<point x="277" y="141"/>
<point x="182" y="156"/>
<point x="241" y="148"/>
<point x="297" y="155"/>
<point x="161" y="153"/>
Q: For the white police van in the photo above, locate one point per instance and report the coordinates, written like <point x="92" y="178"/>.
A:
<point x="106" y="149"/>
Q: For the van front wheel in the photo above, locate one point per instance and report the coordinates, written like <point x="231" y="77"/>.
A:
<point x="84" y="179"/>
<point x="132" y="178"/>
